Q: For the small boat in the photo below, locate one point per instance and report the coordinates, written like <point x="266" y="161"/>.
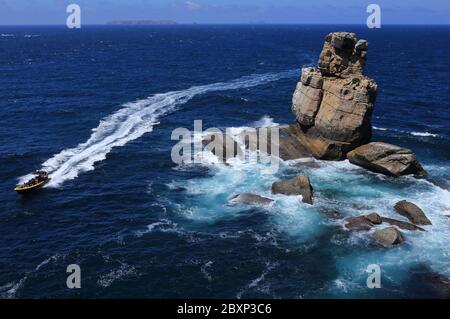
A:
<point x="33" y="184"/>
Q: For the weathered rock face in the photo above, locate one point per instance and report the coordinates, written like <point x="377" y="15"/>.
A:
<point x="342" y="55"/>
<point x="346" y="108"/>
<point x="374" y="218"/>
<point x="333" y="103"/>
<point x="359" y="223"/>
<point x="299" y="185"/>
<point x="387" y="159"/>
<point x="400" y="224"/>
<point x="288" y="145"/>
<point x="412" y="212"/>
<point x="251" y="199"/>
<point x="308" y="96"/>
<point x="388" y="236"/>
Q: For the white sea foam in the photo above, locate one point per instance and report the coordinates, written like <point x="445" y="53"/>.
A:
<point x="254" y="284"/>
<point x="423" y="134"/>
<point x="340" y="186"/>
<point x="114" y="275"/>
<point x="265" y="121"/>
<point x="131" y="122"/>
<point x="10" y="290"/>
<point x="164" y="225"/>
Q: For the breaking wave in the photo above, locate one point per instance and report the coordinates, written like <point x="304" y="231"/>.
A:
<point x="134" y="120"/>
<point x="423" y="134"/>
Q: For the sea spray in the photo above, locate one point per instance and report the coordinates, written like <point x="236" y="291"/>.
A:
<point x="134" y="120"/>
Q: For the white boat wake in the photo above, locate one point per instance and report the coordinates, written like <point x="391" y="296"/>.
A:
<point x="131" y="122"/>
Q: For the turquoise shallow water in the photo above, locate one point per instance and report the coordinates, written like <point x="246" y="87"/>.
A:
<point x="97" y="108"/>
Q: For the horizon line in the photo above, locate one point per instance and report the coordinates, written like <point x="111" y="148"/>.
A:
<point x="237" y="24"/>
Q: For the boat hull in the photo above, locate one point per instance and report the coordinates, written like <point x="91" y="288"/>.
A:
<point x="29" y="189"/>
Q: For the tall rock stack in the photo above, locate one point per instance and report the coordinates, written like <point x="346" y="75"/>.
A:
<point x="333" y="103"/>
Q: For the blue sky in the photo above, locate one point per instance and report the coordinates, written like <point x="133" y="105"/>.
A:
<point x="227" y="11"/>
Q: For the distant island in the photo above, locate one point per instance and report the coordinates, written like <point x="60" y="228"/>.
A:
<point x="142" y="22"/>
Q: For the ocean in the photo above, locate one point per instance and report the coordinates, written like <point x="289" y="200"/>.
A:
<point x="96" y="107"/>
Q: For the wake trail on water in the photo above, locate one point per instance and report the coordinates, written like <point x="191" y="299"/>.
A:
<point x="132" y="121"/>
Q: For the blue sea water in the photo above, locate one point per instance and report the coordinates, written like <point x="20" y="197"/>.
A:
<point x="96" y="107"/>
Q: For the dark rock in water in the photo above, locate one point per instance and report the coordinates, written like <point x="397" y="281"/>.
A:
<point x="439" y="282"/>
<point x="388" y="236"/>
<point x="374" y="218"/>
<point x="333" y="103"/>
<point x="412" y="212"/>
<point x="251" y="199"/>
<point x="400" y="224"/>
<point x="358" y="223"/>
<point x="222" y="146"/>
<point x="387" y="159"/>
<point x="299" y="185"/>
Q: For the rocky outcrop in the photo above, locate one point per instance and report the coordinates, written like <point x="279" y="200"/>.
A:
<point x="412" y="212"/>
<point x="333" y="103"/>
<point x="250" y="199"/>
<point x="287" y="143"/>
<point x="299" y="185"/>
<point x="368" y="221"/>
<point x="359" y="223"/>
<point x="223" y="146"/>
<point x="374" y="218"/>
<point x="400" y="224"/>
<point x="387" y="159"/>
<point x="388" y="236"/>
<point x="342" y="55"/>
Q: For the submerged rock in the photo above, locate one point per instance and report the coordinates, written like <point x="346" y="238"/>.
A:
<point x="331" y="213"/>
<point x="387" y="159"/>
<point x="374" y="218"/>
<point x="439" y="282"/>
<point x="400" y="224"/>
<point x="388" y="236"/>
<point x="412" y="212"/>
<point x="251" y="199"/>
<point x="359" y="223"/>
<point x="299" y="185"/>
